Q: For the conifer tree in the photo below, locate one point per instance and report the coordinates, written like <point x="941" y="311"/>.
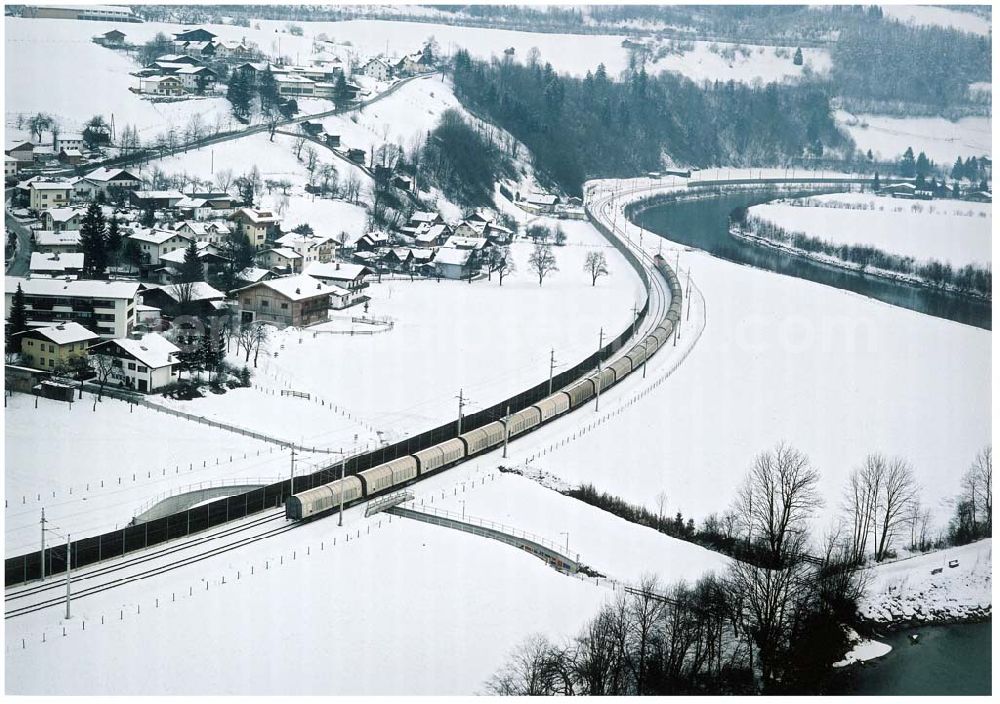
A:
<point x="192" y="269"/>
<point x="93" y="242"/>
<point x="17" y="321"/>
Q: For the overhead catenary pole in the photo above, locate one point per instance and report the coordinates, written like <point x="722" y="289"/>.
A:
<point x="291" y="486"/>
<point x="461" y="404"/>
<point x="69" y="564"/>
<point x="506" y="432"/>
<point x="687" y="295"/>
<point x="552" y="366"/>
<point x="597" y="384"/>
<point x="340" y="515"/>
<point x="43" y="543"/>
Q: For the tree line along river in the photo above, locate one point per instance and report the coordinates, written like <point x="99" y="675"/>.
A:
<point x="704" y="224"/>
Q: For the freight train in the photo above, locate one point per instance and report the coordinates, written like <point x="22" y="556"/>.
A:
<point x="405" y="470"/>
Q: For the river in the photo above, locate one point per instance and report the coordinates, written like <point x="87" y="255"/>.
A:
<point x="946" y="660"/>
<point x="704" y="224"/>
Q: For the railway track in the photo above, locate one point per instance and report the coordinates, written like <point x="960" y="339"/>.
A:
<point x="111" y="576"/>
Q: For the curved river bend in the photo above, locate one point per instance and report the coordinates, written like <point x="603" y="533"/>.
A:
<point x="704" y="224"/>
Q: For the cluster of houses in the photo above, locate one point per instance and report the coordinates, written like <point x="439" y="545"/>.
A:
<point x="66" y="148"/>
<point x="932" y="190"/>
<point x="186" y="71"/>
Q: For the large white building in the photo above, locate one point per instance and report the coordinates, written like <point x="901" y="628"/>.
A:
<point x="106" y="307"/>
<point x="146" y="364"/>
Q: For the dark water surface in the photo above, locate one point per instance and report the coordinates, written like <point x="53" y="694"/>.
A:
<point x="945" y="660"/>
<point x="705" y="224"/>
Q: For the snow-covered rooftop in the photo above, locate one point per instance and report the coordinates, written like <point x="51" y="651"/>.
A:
<point x="337" y="271"/>
<point x="50" y="238"/>
<point x="296" y="288"/>
<point x="62" y="287"/>
<point x="66" y="333"/>
<point x="152" y="349"/>
<point x="43" y="261"/>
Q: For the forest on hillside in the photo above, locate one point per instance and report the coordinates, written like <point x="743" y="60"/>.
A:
<point x="595" y="126"/>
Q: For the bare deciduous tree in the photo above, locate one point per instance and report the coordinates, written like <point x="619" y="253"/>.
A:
<point x="978" y="491"/>
<point x="595" y="264"/>
<point x="542" y="262"/>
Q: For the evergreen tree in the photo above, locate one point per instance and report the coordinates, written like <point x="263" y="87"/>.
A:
<point x="192" y="269"/>
<point x="907" y="165"/>
<point x="797" y="59"/>
<point x="341" y="95"/>
<point x="267" y="89"/>
<point x="876" y="184"/>
<point x="958" y="170"/>
<point x="239" y="95"/>
<point x="148" y="217"/>
<point x="115" y="242"/>
<point x="923" y="166"/>
<point x="209" y="357"/>
<point x="17" y="321"/>
<point x="956" y="190"/>
<point x="871" y="157"/>
<point x="93" y="242"/>
<point x="245" y="376"/>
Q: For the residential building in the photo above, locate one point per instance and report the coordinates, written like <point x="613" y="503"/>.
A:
<point x="252" y="275"/>
<point x="290" y="300"/>
<point x="106" y="180"/>
<point x="114" y="38"/>
<point x="43" y="195"/>
<point x="202" y="206"/>
<point x="107" y="307"/>
<point x="208" y="255"/>
<point x="103" y="13"/>
<point x="378" y="69"/>
<point x="56" y="347"/>
<point x="255" y="224"/>
<point x="313" y="248"/>
<point x="49" y="242"/>
<point x="214" y="232"/>
<point x="161" y="85"/>
<point x="23" y="153"/>
<point x="59" y="219"/>
<point x="452" y="263"/>
<point x="352" y="277"/>
<point x="72" y="157"/>
<point x="194" y="35"/>
<point x="57" y="264"/>
<point x="156" y="200"/>
<point x="198" y="299"/>
<point x="10" y="165"/>
<point x="156" y="243"/>
<point x="145" y="365"/>
<point x="280" y="259"/>
<point x="68" y="140"/>
<point x="194" y="78"/>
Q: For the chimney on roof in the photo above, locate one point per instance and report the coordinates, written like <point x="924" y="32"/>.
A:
<point x="298" y="291"/>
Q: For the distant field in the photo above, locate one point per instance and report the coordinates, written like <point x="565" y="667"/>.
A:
<point x="946" y="230"/>
<point x="942" y="140"/>
<point x="939" y="17"/>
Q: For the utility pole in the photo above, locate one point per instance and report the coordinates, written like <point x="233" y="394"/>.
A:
<point x="552" y="366"/>
<point x="340" y="516"/>
<point x="506" y="432"/>
<point x="43" y="544"/>
<point x="69" y="563"/>
<point x="461" y="405"/>
<point x="291" y="486"/>
<point x="687" y="295"/>
<point x="597" y="384"/>
<point x="645" y="356"/>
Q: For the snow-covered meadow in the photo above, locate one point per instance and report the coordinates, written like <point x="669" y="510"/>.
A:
<point x="952" y="231"/>
<point x="940" y="139"/>
<point x="743" y="63"/>
<point x="937" y="16"/>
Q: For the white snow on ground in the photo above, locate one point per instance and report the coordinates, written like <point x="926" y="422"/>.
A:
<point x="761" y="64"/>
<point x="947" y="230"/>
<point x="909" y="590"/>
<point x="487" y="340"/>
<point x="929" y="15"/>
<point x="942" y="140"/>
<point x="862" y="650"/>
<point x="379" y="600"/>
<point x="87" y="80"/>
<point x="110" y="445"/>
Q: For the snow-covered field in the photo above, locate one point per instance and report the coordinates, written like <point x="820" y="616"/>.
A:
<point x="942" y="140"/>
<point x="485" y="339"/>
<point x="909" y="590"/>
<point x="760" y="64"/>
<point x="100" y="466"/>
<point x="87" y="80"/>
<point x="947" y="230"/>
<point x="402" y="607"/>
<point x="935" y="16"/>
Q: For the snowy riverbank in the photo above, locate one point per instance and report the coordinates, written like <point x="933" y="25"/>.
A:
<point x="927" y="589"/>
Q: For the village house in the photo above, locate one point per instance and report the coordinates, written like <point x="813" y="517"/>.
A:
<point x="195" y="78"/>
<point x="108" y="307"/>
<point x="145" y="365"/>
<point x="378" y="69"/>
<point x="313" y="248"/>
<point x="280" y="259"/>
<point x="197" y="299"/>
<point x="113" y="39"/>
<point x="44" y="153"/>
<point x="23" y="153"/>
<point x="43" y="195"/>
<point x="214" y="232"/>
<point x="156" y="243"/>
<point x="59" y="219"/>
<point x="471" y="227"/>
<point x="103" y="13"/>
<point x="157" y="200"/>
<point x="161" y="85"/>
<point x="71" y="157"/>
<point x="202" y="206"/>
<point x="56" y="347"/>
<point x="194" y="35"/>
<point x="49" y="242"/>
<point x="10" y="167"/>
<point x="56" y="264"/>
<point x="68" y="140"/>
<point x="291" y="300"/>
<point x="349" y="279"/>
<point x="107" y="181"/>
<point x="253" y="274"/>
<point x="542" y="203"/>
<point x="255" y="224"/>
<point x="453" y="263"/>
<point x="211" y="261"/>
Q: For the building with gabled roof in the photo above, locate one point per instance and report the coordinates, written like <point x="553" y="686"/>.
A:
<point x="107" y="307"/>
<point x="287" y="300"/>
<point x="56" y="263"/>
<point x="144" y="365"/>
<point x="55" y="347"/>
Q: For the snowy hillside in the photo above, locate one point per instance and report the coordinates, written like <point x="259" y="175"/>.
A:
<point x="946" y="230"/>
<point x="942" y="140"/>
<point x="929" y="15"/>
